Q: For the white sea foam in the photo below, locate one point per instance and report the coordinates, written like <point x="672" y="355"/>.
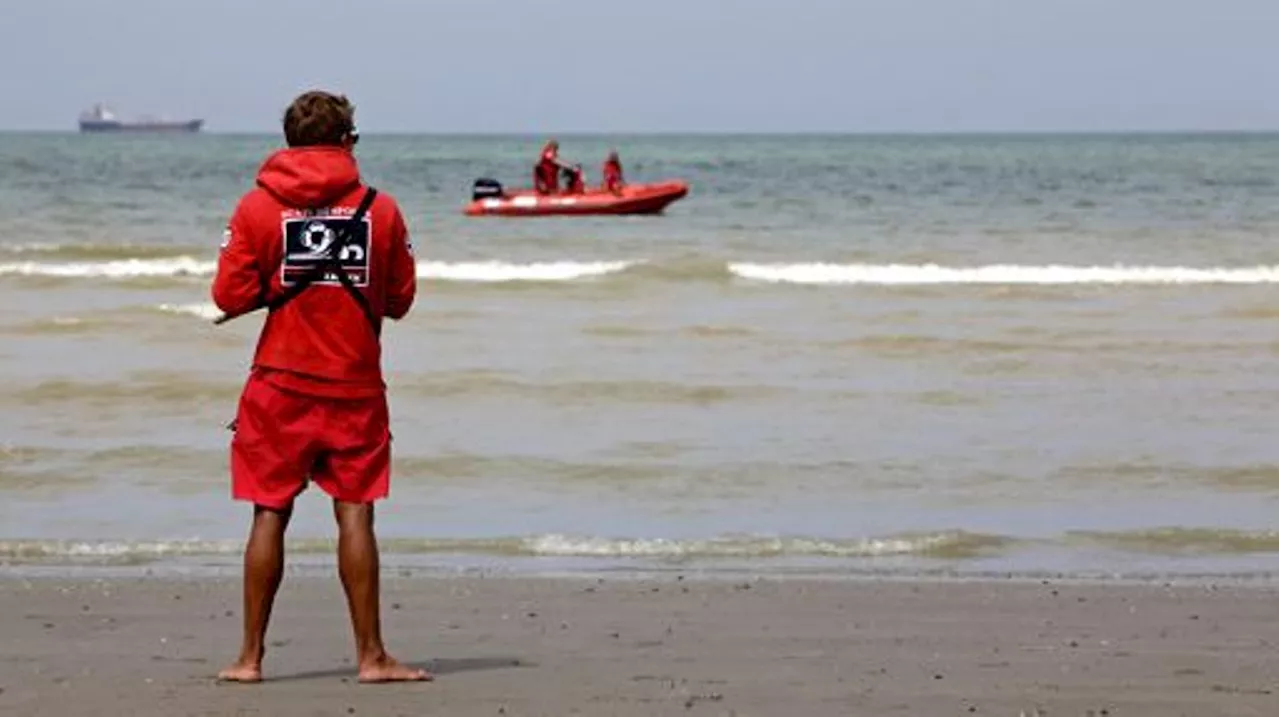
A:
<point x="747" y="546"/>
<point x="788" y="273"/>
<point x="203" y="311"/>
<point x="487" y="271"/>
<point x="549" y="545"/>
<point x="117" y="269"/>
<point x="499" y="271"/>
<point x="912" y="274"/>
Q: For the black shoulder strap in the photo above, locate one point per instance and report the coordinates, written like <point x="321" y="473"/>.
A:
<point x="332" y="263"/>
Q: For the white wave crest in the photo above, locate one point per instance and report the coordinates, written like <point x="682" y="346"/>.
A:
<point x="570" y="546"/>
<point x="487" y="271"/>
<point x="202" y="311"/>
<point x="118" y="269"/>
<point x="789" y="273"/>
<point x="113" y="548"/>
<point x="543" y="545"/>
<point x="907" y="274"/>
<point x="498" y="271"/>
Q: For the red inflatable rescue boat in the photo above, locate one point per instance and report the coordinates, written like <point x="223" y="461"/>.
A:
<point x="490" y="199"/>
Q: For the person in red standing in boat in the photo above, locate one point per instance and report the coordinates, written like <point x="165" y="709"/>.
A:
<point x="546" y="173"/>
<point x="612" y="173"/>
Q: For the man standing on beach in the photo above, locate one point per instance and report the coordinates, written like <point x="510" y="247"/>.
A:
<point x="330" y="258"/>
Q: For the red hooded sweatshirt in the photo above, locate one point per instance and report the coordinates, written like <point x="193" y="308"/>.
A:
<point x="320" y="343"/>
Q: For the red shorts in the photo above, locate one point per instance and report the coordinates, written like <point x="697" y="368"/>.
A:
<point x="283" y="438"/>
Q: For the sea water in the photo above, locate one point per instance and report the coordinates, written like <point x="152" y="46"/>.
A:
<point x="837" y="355"/>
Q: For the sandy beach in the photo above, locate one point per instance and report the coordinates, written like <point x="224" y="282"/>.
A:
<point x="591" y="646"/>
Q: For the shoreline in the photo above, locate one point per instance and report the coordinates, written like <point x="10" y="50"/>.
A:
<point x="1256" y="570"/>
<point x="637" y="645"/>
<point x="1146" y="555"/>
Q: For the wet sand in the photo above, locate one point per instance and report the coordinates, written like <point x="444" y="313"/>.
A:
<point x="669" y="646"/>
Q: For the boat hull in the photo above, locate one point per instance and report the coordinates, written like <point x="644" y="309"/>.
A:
<point x="632" y="199"/>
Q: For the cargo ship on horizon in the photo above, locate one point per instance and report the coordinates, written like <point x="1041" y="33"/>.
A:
<point x="102" y="118"/>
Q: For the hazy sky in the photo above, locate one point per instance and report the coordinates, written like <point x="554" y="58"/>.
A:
<point x="665" y="65"/>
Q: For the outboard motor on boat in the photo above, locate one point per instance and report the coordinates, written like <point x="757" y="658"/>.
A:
<point x="485" y="188"/>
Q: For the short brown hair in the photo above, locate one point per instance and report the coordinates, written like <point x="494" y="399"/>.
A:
<point x="318" y="118"/>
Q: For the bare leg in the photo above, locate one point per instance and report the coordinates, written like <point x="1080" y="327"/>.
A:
<point x="263" y="571"/>
<point x="358" y="567"/>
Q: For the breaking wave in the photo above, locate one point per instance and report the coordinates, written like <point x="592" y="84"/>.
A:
<point x="950" y="544"/>
<point x="917" y="274"/>
<point x="703" y="269"/>
<point x="116" y="269"/>
<point x="941" y="545"/>
<point x="182" y="266"/>
<point x="497" y="271"/>
<point x="201" y="311"/>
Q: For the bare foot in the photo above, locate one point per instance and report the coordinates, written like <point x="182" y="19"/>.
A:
<point x="387" y="669"/>
<point x="242" y="672"/>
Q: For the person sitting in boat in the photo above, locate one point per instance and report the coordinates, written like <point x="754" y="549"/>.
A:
<point x="546" y="173"/>
<point x="573" y="180"/>
<point x="612" y="173"/>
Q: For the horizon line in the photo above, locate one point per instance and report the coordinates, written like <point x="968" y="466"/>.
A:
<point x="686" y="132"/>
